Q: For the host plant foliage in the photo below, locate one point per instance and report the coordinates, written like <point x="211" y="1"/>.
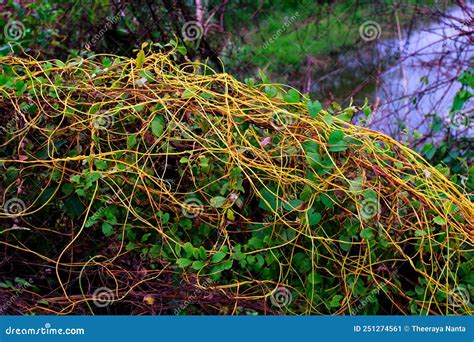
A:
<point x="253" y="190"/>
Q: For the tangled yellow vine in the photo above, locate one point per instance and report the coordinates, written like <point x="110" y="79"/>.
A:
<point x="159" y="181"/>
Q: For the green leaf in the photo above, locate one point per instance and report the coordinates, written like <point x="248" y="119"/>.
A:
<point x="345" y="116"/>
<point x="341" y="146"/>
<point x="207" y="95"/>
<point x="107" y="229"/>
<point x="439" y="220"/>
<point x="75" y="178"/>
<point x="367" y="233"/>
<point x="188" y="248"/>
<point x="158" y="126"/>
<point x="328" y="118"/>
<point x="202" y="253"/>
<point x="306" y="194"/>
<point x="314" y="108"/>
<point x="263" y="76"/>
<point x="67" y="188"/>
<point x="269" y="200"/>
<point x="106" y="62"/>
<point x="230" y="214"/>
<point x="131" y="140"/>
<point x="165" y="218"/>
<point x="101" y="164"/>
<point x="140" y="59"/>
<point x="302" y="262"/>
<point x="182" y="50"/>
<point x="314" y="160"/>
<point x="183" y="262"/>
<point x="218" y="256"/>
<point x="93" y="177"/>
<point x="147" y="74"/>
<point x="313" y="217"/>
<point x="292" y="205"/>
<point x="227" y="265"/>
<point x="271" y="91"/>
<point x="310" y="146"/>
<point x="130" y="246"/>
<point x="335" y="137"/>
<point x="249" y="82"/>
<point x="327" y="201"/>
<point x="60" y="64"/>
<point x="292" y="96"/>
<point x="260" y="262"/>
<point x="255" y="243"/>
<point x="197" y="265"/>
<point x="221" y="267"/>
<point x="111" y="214"/>
<point x="315" y="278"/>
<point x="218" y="201"/>
<point x="420" y="232"/>
<point x="20" y="87"/>
<point x="189" y="93"/>
<point x="345" y="243"/>
<point x="138" y="107"/>
<point x="429" y="151"/>
<point x="335" y="301"/>
<point x="73" y="206"/>
<point x="177" y="249"/>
